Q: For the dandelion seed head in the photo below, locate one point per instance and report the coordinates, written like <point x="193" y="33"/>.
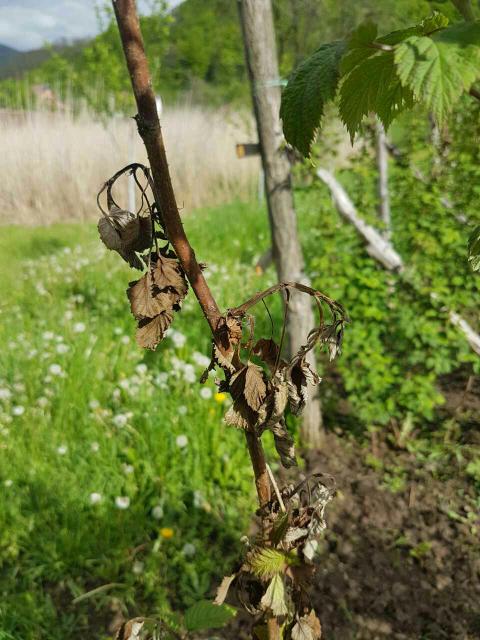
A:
<point x="122" y="502"/>
<point x="95" y="497"/>
<point x="181" y="441"/>
<point x="206" y="393"/>
<point x="157" y="512"/>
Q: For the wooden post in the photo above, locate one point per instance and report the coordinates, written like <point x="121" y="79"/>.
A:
<point x="383" y="194"/>
<point x="261" y="58"/>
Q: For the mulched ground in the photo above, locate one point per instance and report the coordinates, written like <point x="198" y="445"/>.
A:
<point x="402" y="566"/>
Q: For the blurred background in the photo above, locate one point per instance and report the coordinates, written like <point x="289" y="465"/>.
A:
<point x="122" y="492"/>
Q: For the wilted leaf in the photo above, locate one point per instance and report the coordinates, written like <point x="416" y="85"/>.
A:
<point x="235" y="419"/>
<point x="151" y="331"/>
<point x="248" y="390"/>
<point x="275" y="403"/>
<point x="207" y="615"/>
<point x="168" y="275"/>
<point x="275" y="597"/>
<point x="142" y="301"/>
<point x="234" y="329"/>
<point x="222" y="590"/>
<point x="109" y="235"/>
<point x="267" y="350"/>
<point x="284" y="444"/>
<point x="307" y="628"/>
<point x="130" y="630"/>
<point x="255" y="387"/>
<point x="298" y="376"/>
<point x="126" y="233"/>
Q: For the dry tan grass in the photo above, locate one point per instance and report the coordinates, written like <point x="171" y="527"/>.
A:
<point x="52" y="164"/>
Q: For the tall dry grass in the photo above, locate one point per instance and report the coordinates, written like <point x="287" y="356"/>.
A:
<point x="53" y="163"/>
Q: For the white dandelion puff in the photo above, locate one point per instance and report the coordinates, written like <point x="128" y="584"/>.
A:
<point x="122" y="502"/>
<point x="181" y="441"/>
<point x="205" y="393"/>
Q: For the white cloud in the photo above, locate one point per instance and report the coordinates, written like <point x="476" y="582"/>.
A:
<point x="29" y="24"/>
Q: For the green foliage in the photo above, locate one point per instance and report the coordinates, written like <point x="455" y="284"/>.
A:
<point x="439" y="68"/>
<point x="268" y="562"/>
<point x="374" y="86"/>
<point x="474" y="249"/>
<point x="312" y="84"/>
<point x="429" y="63"/>
<point x="400" y="342"/>
<point x="206" y="615"/>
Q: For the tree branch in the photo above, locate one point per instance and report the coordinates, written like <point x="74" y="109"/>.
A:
<point x="151" y="134"/>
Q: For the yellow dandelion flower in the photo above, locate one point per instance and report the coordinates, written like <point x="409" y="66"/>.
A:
<point x="220" y="397"/>
<point x="166" y="533"/>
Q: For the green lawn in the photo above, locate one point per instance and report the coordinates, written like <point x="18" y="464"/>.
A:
<point x="115" y="466"/>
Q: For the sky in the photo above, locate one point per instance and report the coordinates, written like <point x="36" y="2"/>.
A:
<point x="29" y="24"/>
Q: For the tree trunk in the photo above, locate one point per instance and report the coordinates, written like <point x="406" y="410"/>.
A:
<point x="261" y="58"/>
<point x="383" y="195"/>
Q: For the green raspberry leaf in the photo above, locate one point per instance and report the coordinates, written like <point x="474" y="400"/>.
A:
<point x="207" y="615"/>
<point x="373" y="85"/>
<point x="310" y="87"/>
<point x="438" y="69"/>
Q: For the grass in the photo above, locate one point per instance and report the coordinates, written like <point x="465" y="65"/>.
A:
<point x="53" y="163"/>
<point x="116" y="468"/>
<point x="90" y="424"/>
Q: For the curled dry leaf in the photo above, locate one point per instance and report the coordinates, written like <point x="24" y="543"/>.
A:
<point x="284" y="444"/>
<point x="260" y="402"/>
<point x="155" y="297"/>
<point x="307" y="628"/>
<point x="130" y="630"/>
<point x="168" y="275"/>
<point x="276" y="598"/>
<point x="152" y="330"/>
<point x="127" y="234"/>
<point x="248" y="390"/>
<point x="143" y="303"/>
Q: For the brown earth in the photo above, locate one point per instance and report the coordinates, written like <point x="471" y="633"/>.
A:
<point x="401" y="556"/>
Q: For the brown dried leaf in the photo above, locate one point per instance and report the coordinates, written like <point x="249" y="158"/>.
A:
<point x="267" y="350"/>
<point x="307" y="628"/>
<point x="168" y="275"/>
<point x="130" y="630"/>
<point x="151" y="331"/>
<point x="284" y="444"/>
<point x="222" y="590"/>
<point x="255" y="388"/>
<point x="248" y="391"/>
<point x="298" y="376"/>
<point x="234" y="329"/>
<point x="274" y="405"/>
<point x="108" y="234"/>
<point x="236" y="419"/>
<point x="143" y="303"/>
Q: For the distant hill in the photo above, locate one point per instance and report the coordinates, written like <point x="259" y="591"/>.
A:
<point x="14" y="63"/>
<point x="6" y="53"/>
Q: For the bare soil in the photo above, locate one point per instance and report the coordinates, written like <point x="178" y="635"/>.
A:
<point x="401" y="565"/>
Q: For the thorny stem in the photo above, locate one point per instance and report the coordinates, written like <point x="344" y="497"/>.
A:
<point x="151" y="133"/>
